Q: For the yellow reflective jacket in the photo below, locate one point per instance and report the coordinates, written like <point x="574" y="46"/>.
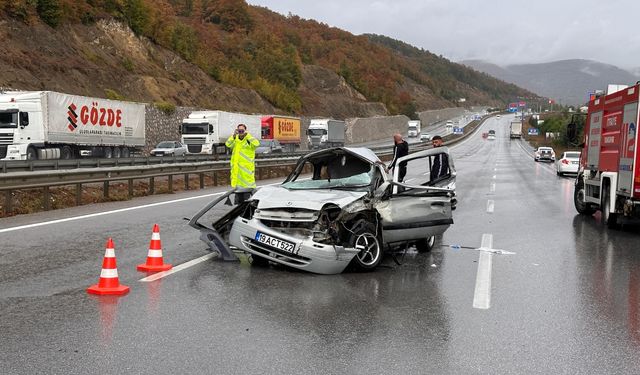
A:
<point x="243" y="154"/>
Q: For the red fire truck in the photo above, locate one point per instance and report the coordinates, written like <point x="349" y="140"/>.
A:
<point x="609" y="176"/>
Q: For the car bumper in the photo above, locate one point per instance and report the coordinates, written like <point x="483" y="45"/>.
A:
<point x="571" y="168"/>
<point x="545" y="158"/>
<point x="309" y="255"/>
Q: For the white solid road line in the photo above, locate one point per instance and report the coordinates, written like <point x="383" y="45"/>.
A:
<point x="74" y="218"/>
<point x="177" y="268"/>
<point x="490" y="206"/>
<point x="482" y="293"/>
<point x="34" y="225"/>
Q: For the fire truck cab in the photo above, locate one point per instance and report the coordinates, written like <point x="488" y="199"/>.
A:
<point x="609" y="175"/>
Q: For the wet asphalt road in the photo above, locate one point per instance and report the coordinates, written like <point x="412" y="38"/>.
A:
<point x="567" y="301"/>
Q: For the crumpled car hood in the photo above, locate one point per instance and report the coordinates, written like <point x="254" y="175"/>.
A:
<point x="279" y="197"/>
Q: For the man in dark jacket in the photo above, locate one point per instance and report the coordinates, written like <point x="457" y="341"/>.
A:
<point x="400" y="149"/>
<point x="440" y="167"/>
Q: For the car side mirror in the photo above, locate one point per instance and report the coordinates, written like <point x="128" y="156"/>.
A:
<point x="24" y="118"/>
<point x="572" y="132"/>
<point x="210" y="128"/>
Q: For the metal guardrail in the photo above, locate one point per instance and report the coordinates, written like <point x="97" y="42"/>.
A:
<point x="76" y="174"/>
<point x="45" y="165"/>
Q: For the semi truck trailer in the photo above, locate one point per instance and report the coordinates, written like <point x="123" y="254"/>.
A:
<point x="52" y="125"/>
<point x="286" y="130"/>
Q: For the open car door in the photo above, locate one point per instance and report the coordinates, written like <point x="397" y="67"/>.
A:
<point x="420" y="203"/>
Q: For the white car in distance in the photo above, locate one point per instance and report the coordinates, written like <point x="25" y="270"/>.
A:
<point x="569" y="162"/>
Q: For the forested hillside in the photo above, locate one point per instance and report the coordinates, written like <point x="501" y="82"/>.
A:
<point x="284" y="59"/>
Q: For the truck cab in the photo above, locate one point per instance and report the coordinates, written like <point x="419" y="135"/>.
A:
<point x="14" y="129"/>
<point x="324" y="133"/>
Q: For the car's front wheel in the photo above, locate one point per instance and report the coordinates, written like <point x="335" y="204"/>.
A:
<point x="364" y="238"/>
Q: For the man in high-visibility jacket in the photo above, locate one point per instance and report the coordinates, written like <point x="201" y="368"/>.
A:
<point x="243" y="153"/>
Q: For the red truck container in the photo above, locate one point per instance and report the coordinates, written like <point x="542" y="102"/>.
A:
<point x="609" y="175"/>
<point x="285" y="130"/>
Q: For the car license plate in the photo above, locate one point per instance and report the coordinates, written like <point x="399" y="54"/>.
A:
<point x="276" y="243"/>
<point x="575" y="162"/>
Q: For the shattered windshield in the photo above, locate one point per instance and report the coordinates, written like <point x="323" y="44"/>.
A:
<point x="359" y="180"/>
<point x="334" y="171"/>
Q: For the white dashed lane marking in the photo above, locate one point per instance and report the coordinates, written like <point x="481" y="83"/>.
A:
<point x="490" y="206"/>
<point x="482" y="293"/>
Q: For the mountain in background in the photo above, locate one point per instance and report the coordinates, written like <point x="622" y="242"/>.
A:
<point x="225" y="54"/>
<point x="566" y="81"/>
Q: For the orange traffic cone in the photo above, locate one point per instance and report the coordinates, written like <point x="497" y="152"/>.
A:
<point x="154" y="257"/>
<point x="108" y="283"/>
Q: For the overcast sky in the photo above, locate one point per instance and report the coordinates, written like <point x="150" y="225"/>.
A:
<point x="499" y="31"/>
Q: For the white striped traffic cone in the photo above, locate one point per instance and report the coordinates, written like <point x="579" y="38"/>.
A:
<point x="154" y="262"/>
<point x="109" y="282"/>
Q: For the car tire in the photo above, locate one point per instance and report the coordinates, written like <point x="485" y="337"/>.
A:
<point x="364" y="237"/>
<point x="126" y="153"/>
<point x="425" y="245"/>
<point x="608" y="218"/>
<point x="117" y="152"/>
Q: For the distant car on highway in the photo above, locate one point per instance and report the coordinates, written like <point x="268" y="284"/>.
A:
<point x="491" y="135"/>
<point x="425" y="137"/>
<point x="544" y="154"/>
<point x="169" y="148"/>
<point x="569" y="162"/>
<point x="497" y="116"/>
<point x="269" y="146"/>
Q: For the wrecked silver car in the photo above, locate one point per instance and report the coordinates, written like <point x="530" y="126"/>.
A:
<point x="339" y="208"/>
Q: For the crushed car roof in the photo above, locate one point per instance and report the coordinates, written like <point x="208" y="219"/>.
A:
<point x="361" y="152"/>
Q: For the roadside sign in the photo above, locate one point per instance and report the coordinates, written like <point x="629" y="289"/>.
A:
<point x="533" y="131"/>
<point x="458" y="130"/>
<point x="521" y="104"/>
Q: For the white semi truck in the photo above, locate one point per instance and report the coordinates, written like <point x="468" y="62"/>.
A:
<point x="205" y="132"/>
<point x="325" y="133"/>
<point x="413" y="128"/>
<point x="515" y="129"/>
<point x="52" y="125"/>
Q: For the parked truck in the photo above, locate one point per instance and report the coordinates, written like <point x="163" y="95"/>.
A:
<point x="413" y="128"/>
<point x="515" y="129"/>
<point x="609" y="176"/>
<point x="325" y="133"/>
<point x="205" y="132"/>
<point x="286" y="130"/>
<point x="52" y="125"/>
